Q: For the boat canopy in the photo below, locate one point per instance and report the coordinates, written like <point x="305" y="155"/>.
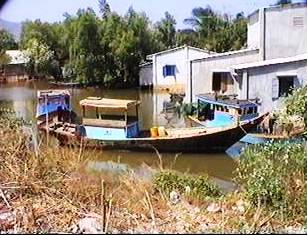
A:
<point x="111" y="104"/>
<point x="227" y="102"/>
<point x="52" y="93"/>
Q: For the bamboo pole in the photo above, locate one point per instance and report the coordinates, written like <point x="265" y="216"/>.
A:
<point x="47" y="120"/>
<point x="103" y="204"/>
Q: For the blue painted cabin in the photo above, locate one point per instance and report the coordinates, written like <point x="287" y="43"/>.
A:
<point x="50" y="101"/>
<point x="224" y="111"/>
<point x="110" y="119"/>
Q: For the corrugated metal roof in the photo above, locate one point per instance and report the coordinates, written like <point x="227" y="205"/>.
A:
<point x="17" y="57"/>
<point x="271" y="62"/>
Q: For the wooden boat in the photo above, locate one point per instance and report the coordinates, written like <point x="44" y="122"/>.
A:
<point x="66" y="84"/>
<point x="108" y="129"/>
<point x="52" y="106"/>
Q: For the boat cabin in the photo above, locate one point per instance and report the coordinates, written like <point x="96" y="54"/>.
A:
<point x="220" y="111"/>
<point x="51" y="101"/>
<point x="112" y="119"/>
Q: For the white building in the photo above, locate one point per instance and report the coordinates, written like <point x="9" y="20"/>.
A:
<point x="275" y="60"/>
<point x="170" y="68"/>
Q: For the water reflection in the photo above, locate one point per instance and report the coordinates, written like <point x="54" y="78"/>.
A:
<point x="22" y="98"/>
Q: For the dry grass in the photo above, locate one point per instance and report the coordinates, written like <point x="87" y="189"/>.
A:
<point x="52" y="190"/>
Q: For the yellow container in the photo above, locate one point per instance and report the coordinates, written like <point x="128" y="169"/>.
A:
<point x="154" y="132"/>
<point x="161" y="131"/>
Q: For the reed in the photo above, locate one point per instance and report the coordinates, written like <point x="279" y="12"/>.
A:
<point x="51" y="190"/>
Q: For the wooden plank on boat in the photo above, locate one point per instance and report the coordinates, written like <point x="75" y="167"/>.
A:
<point x="108" y="103"/>
<point x="104" y="123"/>
<point x="177" y="132"/>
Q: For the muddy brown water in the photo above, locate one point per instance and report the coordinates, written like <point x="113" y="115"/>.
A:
<point x="21" y="97"/>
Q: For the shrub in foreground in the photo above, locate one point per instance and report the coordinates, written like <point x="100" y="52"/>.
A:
<point x="199" y="187"/>
<point x="272" y="174"/>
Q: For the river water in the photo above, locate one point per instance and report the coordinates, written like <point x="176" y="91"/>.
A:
<point x="21" y="97"/>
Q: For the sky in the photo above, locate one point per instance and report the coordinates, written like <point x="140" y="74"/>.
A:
<point x="52" y="10"/>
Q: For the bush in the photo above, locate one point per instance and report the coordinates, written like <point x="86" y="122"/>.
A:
<point x="199" y="187"/>
<point x="294" y="106"/>
<point x="273" y="174"/>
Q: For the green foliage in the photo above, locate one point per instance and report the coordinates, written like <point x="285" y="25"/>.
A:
<point x="9" y="119"/>
<point x="7" y="41"/>
<point x="283" y="2"/>
<point x="294" y="104"/>
<point x="190" y="109"/>
<point x="84" y="49"/>
<point x="199" y="187"/>
<point x="40" y="57"/>
<point x="272" y="174"/>
<point x="167" y="30"/>
<point x="4" y="58"/>
<point x="37" y="38"/>
<point x="216" y="32"/>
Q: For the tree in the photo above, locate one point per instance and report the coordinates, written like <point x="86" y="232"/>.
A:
<point x="40" y="57"/>
<point x="283" y="2"/>
<point x="167" y="30"/>
<point x="187" y="37"/>
<point x="216" y="32"/>
<point x="85" y="56"/>
<point x="7" y="41"/>
<point x="4" y="59"/>
<point x="50" y="35"/>
<point x="104" y="8"/>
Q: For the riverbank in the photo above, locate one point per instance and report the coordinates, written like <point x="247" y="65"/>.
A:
<point x="54" y="190"/>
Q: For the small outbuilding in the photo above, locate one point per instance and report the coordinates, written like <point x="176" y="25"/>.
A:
<point x="15" y="70"/>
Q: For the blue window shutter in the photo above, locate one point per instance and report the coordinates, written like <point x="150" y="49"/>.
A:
<point x="173" y="70"/>
<point x="275" y="88"/>
<point x="169" y="70"/>
<point x="164" y="71"/>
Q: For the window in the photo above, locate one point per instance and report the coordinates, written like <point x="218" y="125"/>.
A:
<point x="216" y="83"/>
<point x="222" y="82"/>
<point x="250" y="110"/>
<point x="285" y="85"/>
<point x="169" y="70"/>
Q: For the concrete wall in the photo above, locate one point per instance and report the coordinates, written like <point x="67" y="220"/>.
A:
<point x="146" y="75"/>
<point x="253" y="30"/>
<point x="285" y="31"/>
<point x="202" y="70"/>
<point x="261" y="81"/>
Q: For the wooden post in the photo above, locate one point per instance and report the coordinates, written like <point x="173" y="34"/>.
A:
<point x="83" y="111"/>
<point x="126" y="117"/>
<point x="238" y="116"/>
<point x="103" y="204"/>
<point x="70" y="109"/>
<point x="197" y="109"/>
<point x="126" y="120"/>
<point x="47" y="120"/>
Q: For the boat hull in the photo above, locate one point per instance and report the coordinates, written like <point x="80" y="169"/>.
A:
<point x="203" y="142"/>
